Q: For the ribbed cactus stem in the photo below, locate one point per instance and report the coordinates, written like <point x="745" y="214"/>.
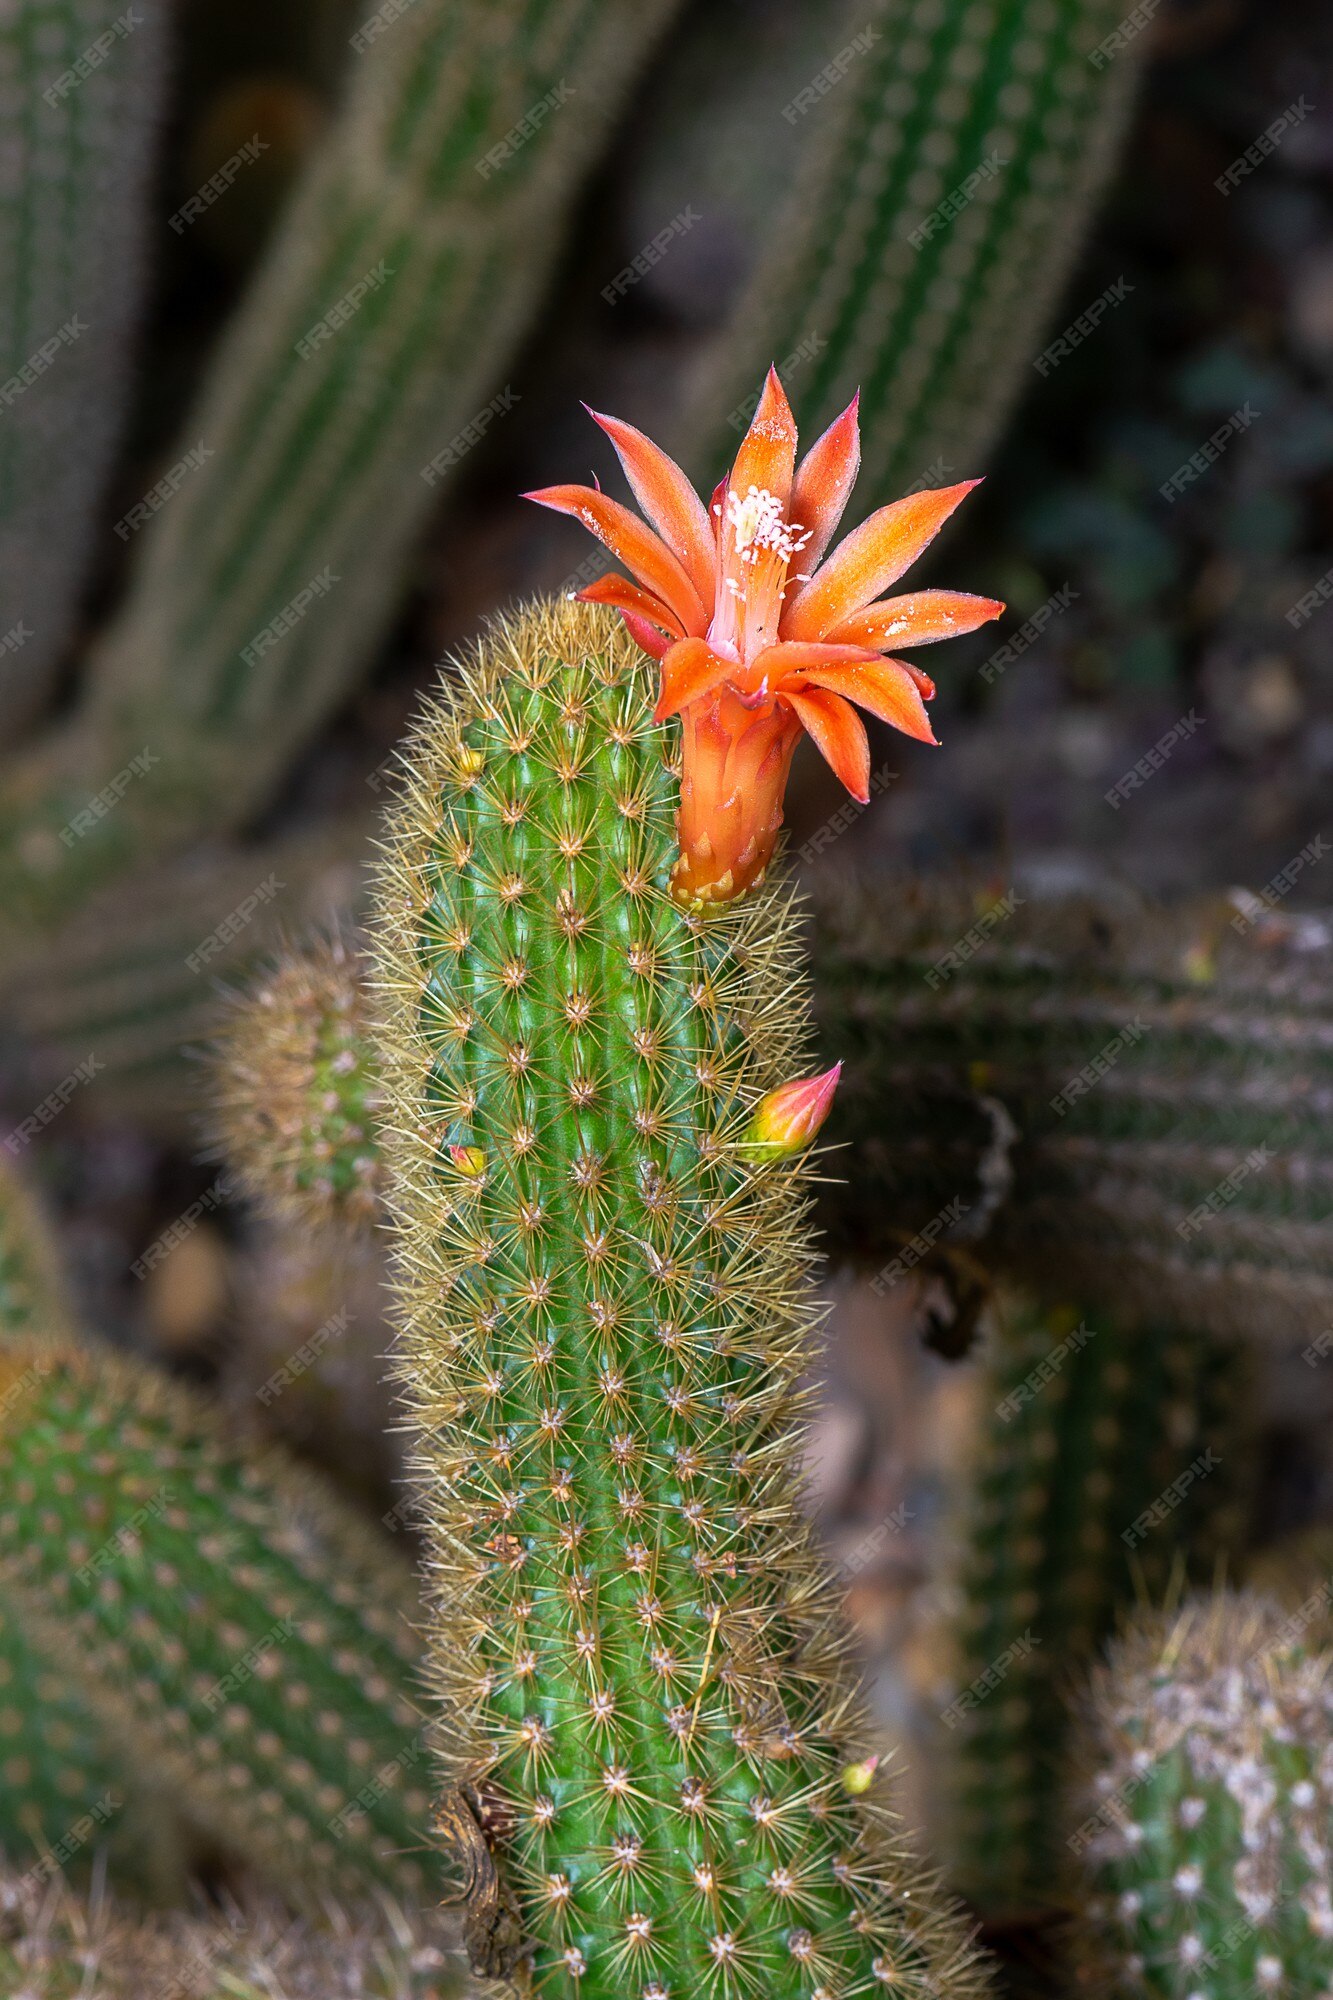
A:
<point x="83" y="85"/>
<point x="372" y="339"/>
<point x="605" y="1321"/>
<point x="1111" y="1458"/>
<point x="231" y="1628"/>
<point x="1206" y="1825"/>
<point x="298" y="1090"/>
<point x="928" y="227"/>
<point x="1133" y="1100"/>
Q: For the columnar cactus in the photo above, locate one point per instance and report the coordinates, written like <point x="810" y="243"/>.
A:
<point x="1112" y="1458"/>
<point x="228" y="1627"/>
<point x="1204" y="1824"/>
<point x="297" y="1094"/>
<point x="605" y="1323"/>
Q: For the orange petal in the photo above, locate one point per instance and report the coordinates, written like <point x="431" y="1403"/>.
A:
<point x="886" y="687"/>
<point x="641" y="551"/>
<point x="872" y="557"/>
<point x="839" y="736"/>
<point x="690" y="669"/>
<point x="669" y="501"/>
<point x="792" y="659"/>
<point x="622" y="595"/>
<point x="656" y="644"/>
<point x="917" y="620"/>
<point x="767" y="456"/>
<point x="824" y="480"/>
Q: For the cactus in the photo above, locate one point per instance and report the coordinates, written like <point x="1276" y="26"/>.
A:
<point x="1134" y="1099"/>
<point x="281" y="1704"/>
<point x="1087" y="1426"/>
<point x="947" y="1108"/>
<point x="605" y="1321"/>
<point x="55" y="1947"/>
<point x="938" y="329"/>
<point x="1204" y="1828"/>
<point x="297" y="1094"/>
<point x="32" y="1291"/>
<point x="73" y="225"/>
<point x="372" y="337"/>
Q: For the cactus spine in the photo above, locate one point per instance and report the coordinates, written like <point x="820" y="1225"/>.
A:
<point x="73" y="222"/>
<point x="1205" y="1825"/>
<point x="605" y="1320"/>
<point x="929" y="226"/>
<point x="1086" y="1426"/>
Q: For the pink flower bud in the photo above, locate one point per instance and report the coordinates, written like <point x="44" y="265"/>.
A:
<point x="787" y="1119"/>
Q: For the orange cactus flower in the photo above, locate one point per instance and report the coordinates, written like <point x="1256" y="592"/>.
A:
<point x="761" y="635"/>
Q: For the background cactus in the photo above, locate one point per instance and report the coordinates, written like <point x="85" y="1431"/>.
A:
<point x="605" y="1321"/>
<point x="83" y="100"/>
<point x="282" y="1704"/>
<point x="1090" y="1424"/>
<point x="928" y="228"/>
<point x="297" y="1092"/>
<point x="1204" y="1824"/>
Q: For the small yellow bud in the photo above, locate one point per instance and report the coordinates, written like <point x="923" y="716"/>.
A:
<point x="857" y="1778"/>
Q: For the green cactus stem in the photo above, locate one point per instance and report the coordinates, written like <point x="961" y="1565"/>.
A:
<point x="1130" y="1103"/>
<point x="1204" y="1823"/>
<point x="1112" y="1461"/>
<point x="82" y="104"/>
<point x="232" y="1629"/>
<point x="605" y="1322"/>
<point x="297" y="1094"/>
<point x="366" y="358"/>
<point x="928" y="226"/>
